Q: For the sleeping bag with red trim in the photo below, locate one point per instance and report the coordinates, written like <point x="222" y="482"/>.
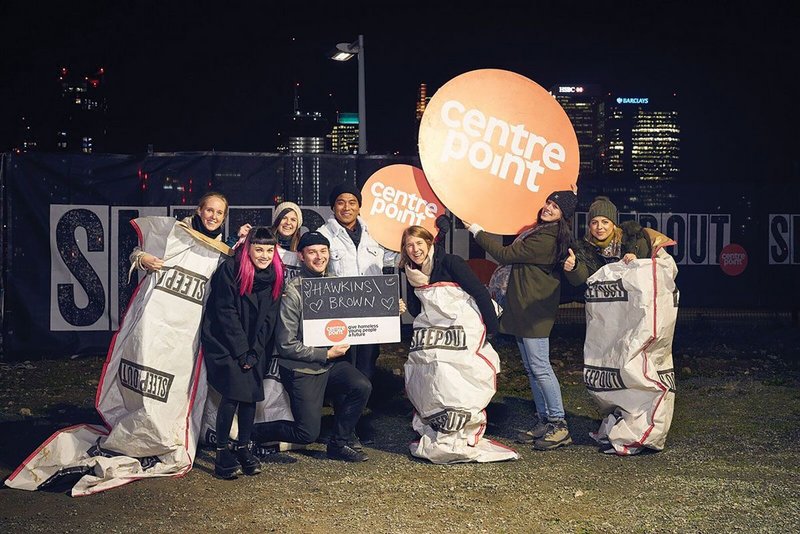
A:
<point x="450" y="378"/>
<point x="631" y="312"/>
<point x="153" y="385"/>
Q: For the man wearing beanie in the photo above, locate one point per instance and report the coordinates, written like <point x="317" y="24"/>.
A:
<point x="310" y="374"/>
<point x="355" y="253"/>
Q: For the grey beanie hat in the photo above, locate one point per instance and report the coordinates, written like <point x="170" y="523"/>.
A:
<point x="603" y="207"/>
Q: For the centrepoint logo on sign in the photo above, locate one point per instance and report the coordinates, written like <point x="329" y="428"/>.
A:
<point x="624" y="100"/>
<point x="401" y="206"/>
<point x="491" y="137"/>
<point x="396" y="197"/>
<point x="733" y="259"/>
<point x="492" y="143"/>
<point x="336" y="330"/>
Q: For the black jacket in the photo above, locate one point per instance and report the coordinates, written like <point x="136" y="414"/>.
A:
<point x="232" y="326"/>
<point x="452" y="268"/>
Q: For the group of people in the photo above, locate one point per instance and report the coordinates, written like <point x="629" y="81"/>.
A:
<point x="253" y="312"/>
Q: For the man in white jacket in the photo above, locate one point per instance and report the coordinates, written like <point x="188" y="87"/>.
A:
<point x="353" y="252"/>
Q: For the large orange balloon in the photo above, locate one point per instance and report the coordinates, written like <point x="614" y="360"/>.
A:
<point x="494" y="145"/>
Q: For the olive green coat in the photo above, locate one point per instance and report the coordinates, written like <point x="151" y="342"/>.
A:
<point x="534" y="287"/>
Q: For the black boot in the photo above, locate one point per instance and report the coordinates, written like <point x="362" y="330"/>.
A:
<point x="226" y="465"/>
<point x="250" y="464"/>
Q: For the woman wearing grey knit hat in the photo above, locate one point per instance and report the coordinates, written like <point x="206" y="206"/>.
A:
<point x="605" y="242"/>
<point x="287" y="221"/>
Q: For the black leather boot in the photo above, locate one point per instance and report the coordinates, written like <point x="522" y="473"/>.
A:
<point x="250" y="464"/>
<point x="226" y="465"/>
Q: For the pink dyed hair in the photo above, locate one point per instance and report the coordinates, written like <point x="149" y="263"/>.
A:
<point x="258" y="236"/>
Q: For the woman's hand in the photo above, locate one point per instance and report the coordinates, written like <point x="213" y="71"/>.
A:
<point x="244" y="230"/>
<point x="402" y="307"/>
<point x="627" y="258"/>
<point x="569" y="263"/>
<point x="151" y="263"/>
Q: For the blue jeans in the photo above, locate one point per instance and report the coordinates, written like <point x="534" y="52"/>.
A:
<point x="535" y="352"/>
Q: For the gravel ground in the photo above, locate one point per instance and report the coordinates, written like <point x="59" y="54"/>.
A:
<point x="731" y="462"/>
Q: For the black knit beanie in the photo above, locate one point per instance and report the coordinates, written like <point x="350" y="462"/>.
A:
<point x="344" y="188"/>
<point x="566" y="201"/>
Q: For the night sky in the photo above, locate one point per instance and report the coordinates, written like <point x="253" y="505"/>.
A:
<point x="200" y="76"/>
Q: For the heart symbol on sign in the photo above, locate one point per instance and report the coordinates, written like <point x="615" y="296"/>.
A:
<point x="315" y="306"/>
<point x="388" y="302"/>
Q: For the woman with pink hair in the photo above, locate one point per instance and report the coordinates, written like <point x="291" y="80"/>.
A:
<point x="237" y="338"/>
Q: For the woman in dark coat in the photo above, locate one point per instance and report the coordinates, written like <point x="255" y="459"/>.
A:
<point x="425" y="264"/>
<point x="237" y="338"/>
<point x="605" y="242"/>
<point x="531" y="302"/>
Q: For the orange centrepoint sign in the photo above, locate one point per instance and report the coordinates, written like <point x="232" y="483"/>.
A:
<point x="396" y="197"/>
<point x="494" y="145"/>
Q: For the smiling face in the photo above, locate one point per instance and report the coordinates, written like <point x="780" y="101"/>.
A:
<point x="601" y="227"/>
<point x="261" y="255"/>
<point x="550" y="212"/>
<point x="315" y="258"/>
<point x="416" y="249"/>
<point x="346" y="209"/>
<point x="212" y="213"/>
<point x="288" y="225"/>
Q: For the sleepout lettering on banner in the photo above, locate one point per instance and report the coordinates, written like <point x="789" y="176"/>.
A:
<point x="784" y="239"/>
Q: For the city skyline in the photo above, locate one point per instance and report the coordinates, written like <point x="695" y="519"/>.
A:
<point x="182" y="78"/>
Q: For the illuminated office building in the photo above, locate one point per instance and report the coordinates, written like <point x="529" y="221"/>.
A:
<point x="641" y="144"/>
<point x="422" y="101"/>
<point x="303" y="136"/>
<point x="641" y="139"/>
<point x="344" y="134"/>
<point x="82" y="118"/>
<point x="584" y="106"/>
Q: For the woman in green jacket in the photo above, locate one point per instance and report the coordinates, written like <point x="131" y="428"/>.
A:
<point x="605" y="242"/>
<point x="530" y="305"/>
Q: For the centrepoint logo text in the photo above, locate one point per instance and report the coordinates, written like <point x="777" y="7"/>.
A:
<point x="506" y="150"/>
<point x="406" y="208"/>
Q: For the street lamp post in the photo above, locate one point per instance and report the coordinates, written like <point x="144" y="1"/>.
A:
<point x="343" y="52"/>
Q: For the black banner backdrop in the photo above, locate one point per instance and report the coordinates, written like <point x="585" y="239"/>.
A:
<point x="66" y="234"/>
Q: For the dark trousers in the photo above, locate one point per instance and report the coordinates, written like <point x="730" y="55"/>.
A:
<point x="364" y="358"/>
<point x="225" y="412"/>
<point x="347" y="388"/>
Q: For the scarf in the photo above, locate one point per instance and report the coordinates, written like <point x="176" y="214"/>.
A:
<point x="197" y="225"/>
<point x="264" y="279"/>
<point x="355" y="233"/>
<point x="284" y="241"/>
<point x="610" y="247"/>
<point x="422" y="276"/>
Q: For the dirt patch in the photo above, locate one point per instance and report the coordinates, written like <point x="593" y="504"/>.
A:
<point x="731" y="461"/>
